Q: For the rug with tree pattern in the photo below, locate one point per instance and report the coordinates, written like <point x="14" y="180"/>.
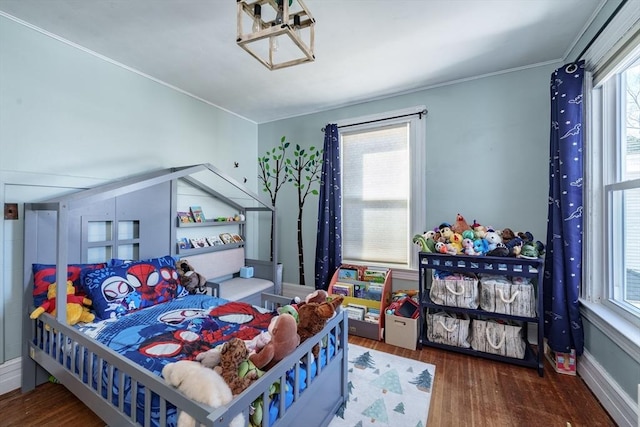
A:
<point x="385" y="390"/>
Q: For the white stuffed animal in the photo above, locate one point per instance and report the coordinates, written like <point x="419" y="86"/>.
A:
<point x="201" y="384"/>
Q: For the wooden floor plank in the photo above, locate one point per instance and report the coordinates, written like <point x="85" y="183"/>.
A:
<point x="468" y="391"/>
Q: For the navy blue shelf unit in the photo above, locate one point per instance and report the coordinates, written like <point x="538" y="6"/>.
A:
<point x="507" y="266"/>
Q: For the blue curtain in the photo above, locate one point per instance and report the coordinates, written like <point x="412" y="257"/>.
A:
<point x="329" y="244"/>
<point x="563" y="259"/>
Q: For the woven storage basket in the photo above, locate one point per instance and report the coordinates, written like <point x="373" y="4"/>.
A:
<point x="490" y="336"/>
<point x="455" y="290"/>
<point x="446" y="328"/>
<point x="500" y="295"/>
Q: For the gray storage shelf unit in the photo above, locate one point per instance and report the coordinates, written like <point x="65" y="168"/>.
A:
<point x="507" y="266"/>
<point x="57" y="230"/>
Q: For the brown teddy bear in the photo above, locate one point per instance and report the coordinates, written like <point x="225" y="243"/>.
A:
<point x="284" y="339"/>
<point x="232" y="354"/>
<point x="313" y="316"/>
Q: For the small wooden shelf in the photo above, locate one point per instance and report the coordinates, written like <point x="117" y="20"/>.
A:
<point x="362" y="328"/>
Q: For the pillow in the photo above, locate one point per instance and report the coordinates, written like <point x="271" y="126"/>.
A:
<point x="45" y="275"/>
<point x="116" y="290"/>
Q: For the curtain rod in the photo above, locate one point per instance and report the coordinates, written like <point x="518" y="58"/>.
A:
<point x="419" y="113"/>
<point x="593" y="39"/>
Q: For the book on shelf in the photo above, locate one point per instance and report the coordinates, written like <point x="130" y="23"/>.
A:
<point x="347" y="273"/>
<point x="183" y="243"/>
<point x="184" y="217"/>
<point x="214" y="241"/>
<point x="355" y="312"/>
<point x="236" y="238"/>
<point x="197" y="214"/>
<point x="345" y="289"/>
<point x="361" y="306"/>
<point x="198" y="242"/>
<point x="226" y="238"/>
<point x="377" y="275"/>
<point x="374" y="292"/>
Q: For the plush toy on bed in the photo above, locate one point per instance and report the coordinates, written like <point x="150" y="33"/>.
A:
<point x="210" y="358"/>
<point x="232" y="354"/>
<point x="201" y="384"/>
<point x="284" y="339"/>
<point x="77" y="305"/>
<point x="313" y="317"/>
<point x="192" y="281"/>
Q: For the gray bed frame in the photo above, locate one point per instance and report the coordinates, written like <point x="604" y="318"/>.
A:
<point x="56" y="233"/>
<point x="315" y="406"/>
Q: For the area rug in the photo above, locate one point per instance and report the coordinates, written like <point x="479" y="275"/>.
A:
<point x="385" y="390"/>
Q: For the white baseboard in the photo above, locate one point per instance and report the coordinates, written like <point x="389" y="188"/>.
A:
<point x="618" y="404"/>
<point x="10" y="375"/>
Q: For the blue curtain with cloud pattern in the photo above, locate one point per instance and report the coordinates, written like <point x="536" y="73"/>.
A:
<point x="329" y="243"/>
<point x="563" y="259"/>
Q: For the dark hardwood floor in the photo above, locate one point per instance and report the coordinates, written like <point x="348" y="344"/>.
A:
<point x="467" y="391"/>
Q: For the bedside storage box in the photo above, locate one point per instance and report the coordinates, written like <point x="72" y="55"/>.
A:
<point x="563" y="363"/>
<point x="401" y="331"/>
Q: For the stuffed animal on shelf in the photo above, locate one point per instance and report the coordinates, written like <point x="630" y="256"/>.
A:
<point x="201" y="384"/>
<point x="77" y="305"/>
<point x="460" y="225"/>
<point x="284" y="339"/>
<point x="232" y="354"/>
<point x="313" y="317"/>
<point x="492" y="239"/>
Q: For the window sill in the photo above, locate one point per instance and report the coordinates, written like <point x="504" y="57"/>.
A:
<point x="621" y="331"/>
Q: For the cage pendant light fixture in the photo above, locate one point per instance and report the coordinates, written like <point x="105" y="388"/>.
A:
<point x="278" y="33"/>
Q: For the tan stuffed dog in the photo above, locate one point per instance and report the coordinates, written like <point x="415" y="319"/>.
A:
<point x="201" y="384"/>
<point x="313" y="316"/>
<point x="284" y="339"/>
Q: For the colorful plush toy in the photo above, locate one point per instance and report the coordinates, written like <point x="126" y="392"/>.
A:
<point x="313" y="317"/>
<point x="284" y="339"/>
<point x="192" y="281"/>
<point x="76" y="310"/>
<point x="200" y="384"/>
<point x="460" y="225"/>
<point x="492" y="239"/>
<point x="210" y="358"/>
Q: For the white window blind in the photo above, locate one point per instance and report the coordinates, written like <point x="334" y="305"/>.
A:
<point x="376" y="194"/>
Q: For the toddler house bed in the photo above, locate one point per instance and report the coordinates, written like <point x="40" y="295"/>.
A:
<point x="113" y="363"/>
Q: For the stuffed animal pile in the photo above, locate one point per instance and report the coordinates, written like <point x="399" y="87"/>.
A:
<point x="475" y="239"/>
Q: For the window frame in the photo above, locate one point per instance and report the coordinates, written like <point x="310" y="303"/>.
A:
<point x="416" y="118"/>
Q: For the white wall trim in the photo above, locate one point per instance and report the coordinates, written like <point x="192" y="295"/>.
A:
<point x="10" y="375"/>
<point x="617" y="403"/>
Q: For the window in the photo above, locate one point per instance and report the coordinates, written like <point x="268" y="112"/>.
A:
<point x="617" y="102"/>
<point x="383" y="200"/>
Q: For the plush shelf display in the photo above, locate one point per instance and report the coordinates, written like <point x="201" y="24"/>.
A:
<point x="482" y="305"/>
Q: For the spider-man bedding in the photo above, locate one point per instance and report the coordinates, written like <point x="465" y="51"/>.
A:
<point x="180" y="330"/>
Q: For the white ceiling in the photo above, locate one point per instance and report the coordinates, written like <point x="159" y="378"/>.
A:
<point x="365" y="49"/>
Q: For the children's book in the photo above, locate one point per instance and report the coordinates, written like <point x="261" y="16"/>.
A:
<point x="237" y="238"/>
<point x="199" y="242"/>
<point x="375" y="275"/>
<point x="185" y="217"/>
<point x="183" y="243"/>
<point x="347" y="273"/>
<point x="196" y="213"/>
<point x="226" y="238"/>
<point x="345" y="289"/>
<point x="214" y="241"/>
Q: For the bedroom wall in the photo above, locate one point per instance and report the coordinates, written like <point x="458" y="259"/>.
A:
<point x="486" y="156"/>
<point x="70" y="120"/>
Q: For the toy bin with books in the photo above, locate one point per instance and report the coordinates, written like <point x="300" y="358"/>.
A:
<point x="367" y="293"/>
